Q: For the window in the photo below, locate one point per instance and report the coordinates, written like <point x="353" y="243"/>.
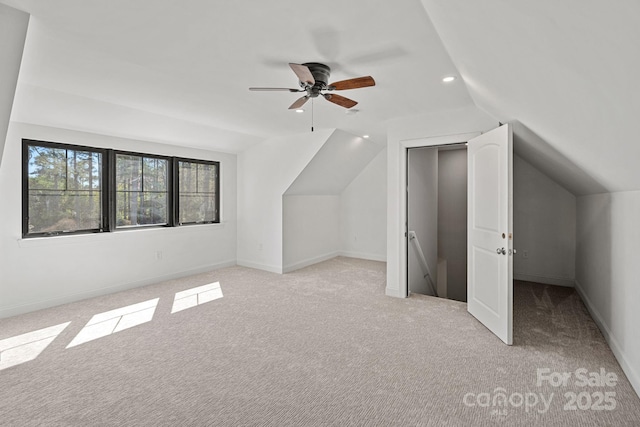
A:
<point x="63" y="189"/>
<point x="74" y="189"/>
<point x="142" y="190"/>
<point x="197" y="192"/>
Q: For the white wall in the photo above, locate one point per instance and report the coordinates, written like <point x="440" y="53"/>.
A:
<point x="265" y="172"/>
<point x="422" y="208"/>
<point x="13" y="33"/>
<point x="337" y="205"/>
<point x="363" y="213"/>
<point x="411" y="131"/>
<point x="608" y="271"/>
<point x="452" y="219"/>
<point x="42" y="272"/>
<point x="311" y="230"/>
<point x="544" y="227"/>
<point x="273" y="232"/>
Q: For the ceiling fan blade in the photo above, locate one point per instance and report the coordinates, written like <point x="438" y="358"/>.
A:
<point x="303" y="73"/>
<point x="275" y="89"/>
<point x="356" y="83"/>
<point x="340" y="100"/>
<point x="299" y="102"/>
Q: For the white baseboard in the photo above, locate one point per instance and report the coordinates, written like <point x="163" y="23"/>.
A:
<point x="309" y="261"/>
<point x="547" y="280"/>
<point x="391" y="292"/>
<point x="627" y="367"/>
<point x="77" y="296"/>
<point x="265" y="267"/>
<point x="362" y="255"/>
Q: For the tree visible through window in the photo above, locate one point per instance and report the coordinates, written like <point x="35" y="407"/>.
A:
<point x="141" y="190"/>
<point x="76" y="189"/>
<point x="64" y="190"/>
<point x="197" y="189"/>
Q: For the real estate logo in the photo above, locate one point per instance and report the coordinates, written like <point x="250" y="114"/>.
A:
<point x="594" y="393"/>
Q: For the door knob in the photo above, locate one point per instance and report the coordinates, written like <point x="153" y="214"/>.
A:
<point x="502" y="251"/>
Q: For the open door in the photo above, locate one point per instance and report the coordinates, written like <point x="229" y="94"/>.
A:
<point x="490" y="224"/>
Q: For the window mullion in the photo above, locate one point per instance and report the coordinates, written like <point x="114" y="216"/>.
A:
<point x="171" y="190"/>
<point x="49" y="208"/>
<point x="109" y="180"/>
<point x="66" y="170"/>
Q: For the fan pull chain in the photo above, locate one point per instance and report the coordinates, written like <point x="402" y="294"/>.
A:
<point x="312" y="114"/>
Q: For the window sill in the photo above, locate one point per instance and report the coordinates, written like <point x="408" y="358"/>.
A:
<point x="75" y="239"/>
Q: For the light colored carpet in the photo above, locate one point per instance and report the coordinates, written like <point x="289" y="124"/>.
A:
<point x="320" y="346"/>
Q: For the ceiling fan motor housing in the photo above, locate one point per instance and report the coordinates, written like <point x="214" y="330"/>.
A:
<point x="321" y="73"/>
<point x="314" y="78"/>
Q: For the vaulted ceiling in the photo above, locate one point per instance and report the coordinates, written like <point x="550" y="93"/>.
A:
<point x="179" y="71"/>
<point x="566" y="71"/>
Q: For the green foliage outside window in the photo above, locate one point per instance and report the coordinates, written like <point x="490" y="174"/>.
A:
<point x="198" y="184"/>
<point x="141" y="190"/>
<point x="76" y="189"/>
<point x="64" y="190"/>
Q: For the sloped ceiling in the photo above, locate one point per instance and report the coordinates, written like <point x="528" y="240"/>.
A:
<point x="187" y="65"/>
<point x="565" y="71"/>
<point x="13" y="31"/>
<point x="342" y="157"/>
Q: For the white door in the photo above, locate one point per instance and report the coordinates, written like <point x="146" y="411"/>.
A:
<point x="490" y="221"/>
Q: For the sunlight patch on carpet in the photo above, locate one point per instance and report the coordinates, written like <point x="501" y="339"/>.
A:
<point x="113" y="321"/>
<point x="196" y="296"/>
<point x="26" y="347"/>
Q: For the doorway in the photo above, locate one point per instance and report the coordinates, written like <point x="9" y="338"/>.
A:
<point x="437" y="221"/>
<point x="490" y="224"/>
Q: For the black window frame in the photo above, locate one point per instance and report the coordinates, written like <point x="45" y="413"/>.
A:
<point x="171" y="222"/>
<point x="108" y="189"/>
<point x="104" y="187"/>
<point x="176" y="182"/>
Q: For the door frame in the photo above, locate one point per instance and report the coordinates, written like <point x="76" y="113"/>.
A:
<point x="404" y="147"/>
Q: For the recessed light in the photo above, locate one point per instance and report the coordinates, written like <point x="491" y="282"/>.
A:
<point x="449" y="79"/>
<point x="365" y="136"/>
<point x="299" y="110"/>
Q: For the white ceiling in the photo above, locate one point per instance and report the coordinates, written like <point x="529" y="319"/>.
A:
<point x="179" y="71"/>
<point x="566" y="71"/>
<point x="338" y="162"/>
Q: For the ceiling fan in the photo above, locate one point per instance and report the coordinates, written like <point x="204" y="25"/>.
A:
<point x="313" y="79"/>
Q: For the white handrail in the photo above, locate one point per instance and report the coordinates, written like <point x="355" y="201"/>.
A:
<point x="423" y="261"/>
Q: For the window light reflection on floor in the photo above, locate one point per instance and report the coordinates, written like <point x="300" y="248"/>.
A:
<point x="113" y="321"/>
<point x="26" y="347"/>
<point x="196" y="296"/>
